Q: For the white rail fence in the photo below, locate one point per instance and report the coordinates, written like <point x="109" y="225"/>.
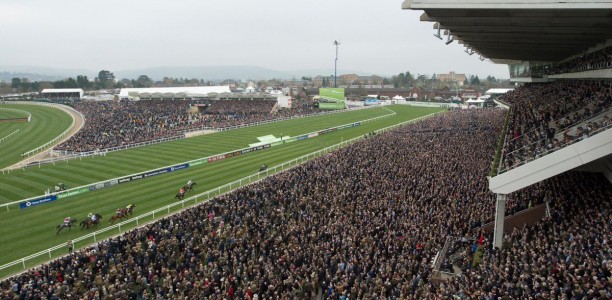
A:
<point x="18" y="111"/>
<point x="197" y="199"/>
<point x="9" y="135"/>
<point x="56" y="139"/>
<point x="68" y="191"/>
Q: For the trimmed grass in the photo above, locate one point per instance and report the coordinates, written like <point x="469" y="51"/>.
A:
<point x="34" y="181"/>
<point x="27" y="231"/>
<point x="46" y="124"/>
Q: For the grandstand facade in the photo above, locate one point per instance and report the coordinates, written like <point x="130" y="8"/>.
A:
<point x="561" y="124"/>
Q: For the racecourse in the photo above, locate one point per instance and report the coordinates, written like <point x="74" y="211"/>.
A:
<point x="46" y="124"/>
<point x="27" y="231"/>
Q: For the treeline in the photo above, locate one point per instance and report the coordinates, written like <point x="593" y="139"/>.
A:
<point x="104" y="80"/>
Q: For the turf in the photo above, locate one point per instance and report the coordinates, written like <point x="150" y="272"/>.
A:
<point x="34" y="181"/>
<point x="23" y="232"/>
<point x="46" y="124"/>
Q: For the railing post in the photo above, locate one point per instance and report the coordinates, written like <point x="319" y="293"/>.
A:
<point x="49" y="253"/>
<point x="23" y="262"/>
<point x="119" y="227"/>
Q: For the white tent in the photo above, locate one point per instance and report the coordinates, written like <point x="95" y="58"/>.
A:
<point x="398" y="97"/>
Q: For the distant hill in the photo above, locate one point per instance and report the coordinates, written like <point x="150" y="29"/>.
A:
<point x="214" y="73"/>
<point x="8" y="76"/>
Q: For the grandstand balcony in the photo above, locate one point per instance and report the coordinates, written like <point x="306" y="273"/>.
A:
<point x="573" y="147"/>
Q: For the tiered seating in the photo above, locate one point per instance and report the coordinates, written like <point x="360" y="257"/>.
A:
<point x="545" y="117"/>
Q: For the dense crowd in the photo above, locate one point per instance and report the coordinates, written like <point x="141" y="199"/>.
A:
<point x="365" y="228"/>
<point x="544" y="117"/>
<point x="112" y="124"/>
<point x="567" y="255"/>
<point x="360" y="223"/>
<point x="600" y="59"/>
<point x="116" y="123"/>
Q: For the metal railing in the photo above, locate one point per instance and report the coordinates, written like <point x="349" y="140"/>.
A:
<point x="525" y="153"/>
<point x="203" y="197"/>
<point x="9" y="135"/>
<point x="18" y="111"/>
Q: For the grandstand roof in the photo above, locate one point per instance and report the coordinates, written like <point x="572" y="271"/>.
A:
<point x="62" y="91"/>
<point x="519" y="30"/>
<point x="186" y="91"/>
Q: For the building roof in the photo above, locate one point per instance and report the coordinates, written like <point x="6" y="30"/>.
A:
<point x="185" y="91"/>
<point x="519" y="30"/>
<point x="47" y="91"/>
<point x="63" y="91"/>
<point x="497" y="91"/>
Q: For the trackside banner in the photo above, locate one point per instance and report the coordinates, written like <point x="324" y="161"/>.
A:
<point x="72" y="193"/>
<point x="152" y="173"/>
<point x="38" y="201"/>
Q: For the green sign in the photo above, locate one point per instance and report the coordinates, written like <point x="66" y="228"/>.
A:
<point x="198" y="162"/>
<point x="331" y="98"/>
<point x="72" y="193"/>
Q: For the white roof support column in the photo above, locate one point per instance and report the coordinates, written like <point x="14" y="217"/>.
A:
<point x="500" y="211"/>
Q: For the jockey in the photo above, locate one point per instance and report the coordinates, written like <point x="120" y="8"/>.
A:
<point x="93" y="217"/>
<point x="129" y="207"/>
<point x="119" y="212"/>
<point x="182" y="191"/>
<point x="67" y="221"/>
<point x="189" y="183"/>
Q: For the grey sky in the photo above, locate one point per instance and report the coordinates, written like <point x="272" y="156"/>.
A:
<point x="377" y="36"/>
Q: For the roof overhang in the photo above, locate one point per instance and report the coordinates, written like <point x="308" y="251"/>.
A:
<point x="519" y="30"/>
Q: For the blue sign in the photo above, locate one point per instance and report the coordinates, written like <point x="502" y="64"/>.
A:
<point x="38" y="201"/>
<point x="303" y="137"/>
<point x="178" y="167"/>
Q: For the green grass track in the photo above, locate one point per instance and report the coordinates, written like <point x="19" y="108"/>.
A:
<point x="27" y="231"/>
<point x="46" y="124"/>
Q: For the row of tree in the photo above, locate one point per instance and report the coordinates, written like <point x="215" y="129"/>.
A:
<point x="107" y="80"/>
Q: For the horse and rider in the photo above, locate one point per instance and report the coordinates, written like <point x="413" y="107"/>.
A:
<point x="68" y="223"/>
<point x="121" y="213"/>
<point x="263" y="168"/>
<point x="186" y="188"/>
<point x="91" y="220"/>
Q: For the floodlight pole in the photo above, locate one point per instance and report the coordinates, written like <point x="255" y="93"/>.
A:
<point x="336" y="43"/>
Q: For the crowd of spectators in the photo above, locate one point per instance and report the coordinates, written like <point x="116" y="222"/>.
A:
<point x="116" y="123"/>
<point x="600" y="59"/>
<point x="360" y="223"/>
<point x="566" y="255"/>
<point x="543" y="116"/>
<point x="366" y="228"/>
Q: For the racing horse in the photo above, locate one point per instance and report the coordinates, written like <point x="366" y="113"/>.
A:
<point x="129" y="209"/>
<point x="120" y="216"/>
<point x="180" y="194"/>
<point x="64" y="225"/>
<point x="89" y="223"/>
<point x="189" y="188"/>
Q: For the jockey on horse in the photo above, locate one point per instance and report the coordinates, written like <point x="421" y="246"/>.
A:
<point x="93" y="217"/>
<point x="129" y="208"/>
<point x="67" y="221"/>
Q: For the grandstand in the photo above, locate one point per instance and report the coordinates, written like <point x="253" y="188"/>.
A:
<point x="560" y="55"/>
<point x="171" y="93"/>
<point x="61" y="94"/>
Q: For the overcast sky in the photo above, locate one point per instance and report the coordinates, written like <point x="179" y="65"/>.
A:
<point x="376" y="36"/>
